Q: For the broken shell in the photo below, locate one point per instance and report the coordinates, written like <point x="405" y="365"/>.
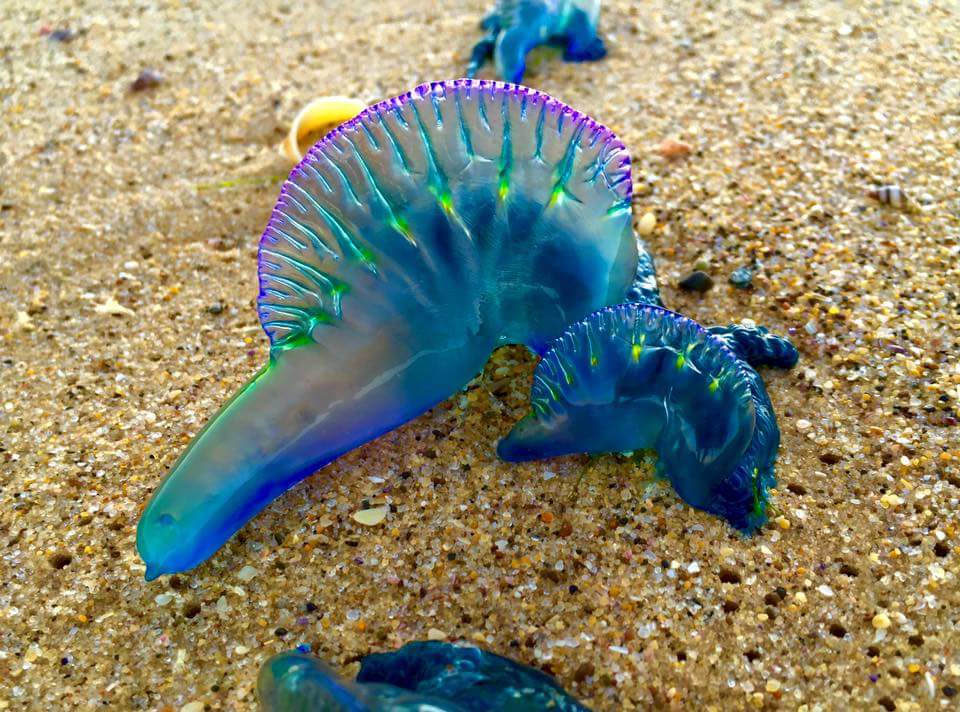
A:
<point x="315" y="120"/>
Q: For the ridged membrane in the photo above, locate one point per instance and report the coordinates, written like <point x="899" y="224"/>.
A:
<point x="432" y="198"/>
<point x="637" y="376"/>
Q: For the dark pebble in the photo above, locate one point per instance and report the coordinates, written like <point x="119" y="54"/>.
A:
<point x="915" y="640"/>
<point x="148" y="79"/>
<point x="730" y="606"/>
<point x="742" y="277"/>
<point x="941" y="548"/>
<point x="310" y="607"/>
<point x="729" y="576"/>
<point x="837" y="630"/>
<point x="887" y="704"/>
<point x="215" y="308"/>
<point x="830" y="458"/>
<point x="848" y="570"/>
<point x="949" y="691"/>
<point x="583" y="672"/>
<point x="696" y="282"/>
<point x="60" y="560"/>
<point x="280" y="632"/>
<point x="64" y="34"/>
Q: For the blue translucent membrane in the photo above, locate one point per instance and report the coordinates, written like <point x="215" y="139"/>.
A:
<point x="405" y="247"/>
<point x="515" y="27"/>
<point x="418" y="677"/>
<point x="637" y="376"/>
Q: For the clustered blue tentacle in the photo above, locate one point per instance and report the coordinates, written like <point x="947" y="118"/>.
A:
<point x="654" y="402"/>
<point x="423" y="675"/>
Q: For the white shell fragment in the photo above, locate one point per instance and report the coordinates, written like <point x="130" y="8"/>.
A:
<point x="371" y="517"/>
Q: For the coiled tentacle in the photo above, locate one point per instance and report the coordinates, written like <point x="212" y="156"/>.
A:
<point x="406" y="246"/>
<point x="637" y="376"/>
<point x="757" y="346"/>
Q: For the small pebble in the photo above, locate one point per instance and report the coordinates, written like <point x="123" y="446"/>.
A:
<point x="673" y="150"/>
<point x="371" y="517"/>
<point x="647" y="224"/>
<point x="881" y="621"/>
<point x="247" y="573"/>
<point x="436" y="634"/>
<point x="742" y="277"/>
<point x="696" y="282"/>
<point x="63" y="34"/>
<point x="147" y="79"/>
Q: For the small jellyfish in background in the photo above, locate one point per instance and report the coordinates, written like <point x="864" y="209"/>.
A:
<point x="515" y="27"/>
<point x="637" y="376"/>
<point x="419" y="677"/>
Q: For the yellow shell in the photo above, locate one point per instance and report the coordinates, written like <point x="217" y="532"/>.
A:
<point x="315" y="120"/>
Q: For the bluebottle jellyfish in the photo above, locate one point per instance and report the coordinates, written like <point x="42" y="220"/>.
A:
<point x="637" y="376"/>
<point x="405" y="247"/>
<point x="515" y="27"/>
<point x="419" y="677"/>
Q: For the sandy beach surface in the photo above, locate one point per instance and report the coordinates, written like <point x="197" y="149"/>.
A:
<point x="129" y="223"/>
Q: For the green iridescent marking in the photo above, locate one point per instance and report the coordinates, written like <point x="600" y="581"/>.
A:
<point x="682" y="358"/>
<point x="556" y="195"/>
<point x="298" y="339"/>
<point x="594" y="361"/>
<point x="554" y="395"/>
<point x="714" y="385"/>
<point x="366" y="256"/>
<point x="758" y="503"/>
<point x="504" y="187"/>
<point x="400" y="224"/>
<point x="446" y="201"/>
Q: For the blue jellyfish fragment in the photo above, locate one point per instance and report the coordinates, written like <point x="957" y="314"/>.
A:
<point x="419" y="677"/>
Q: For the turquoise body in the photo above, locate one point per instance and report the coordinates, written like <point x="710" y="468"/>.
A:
<point x="515" y="27"/>
<point x="404" y="248"/>
<point x="637" y="376"/>
<point x="419" y="677"/>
